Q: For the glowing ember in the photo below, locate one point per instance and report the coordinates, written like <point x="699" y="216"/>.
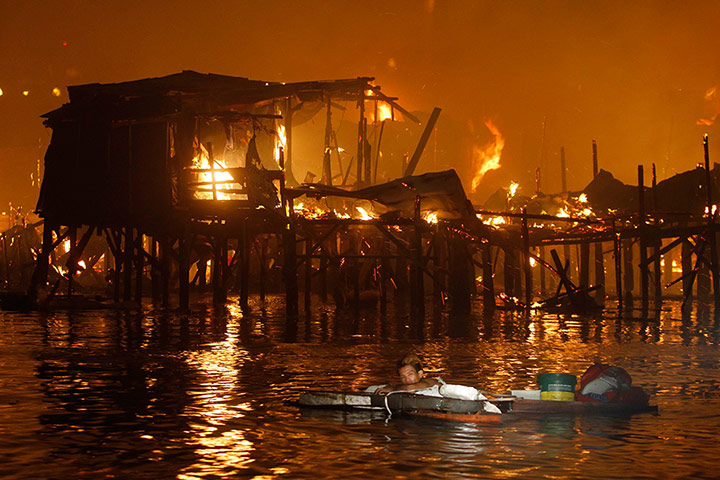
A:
<point x="488" y="158"/>
<point x="582" y="198"/>
<point x="66" y="245"/>
<point x="512" y="190"/>
<point x="431" y="217"/>
<point x="563" y="213"/>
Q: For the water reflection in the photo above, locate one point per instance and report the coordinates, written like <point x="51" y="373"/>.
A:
<point x="154" y="394"/>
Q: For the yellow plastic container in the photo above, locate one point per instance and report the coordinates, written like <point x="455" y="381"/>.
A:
<point x="557" y="386"/>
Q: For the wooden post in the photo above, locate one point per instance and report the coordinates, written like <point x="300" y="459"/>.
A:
<point x="526" y="260"/>
<point x="617" y="254"/>
<point x="543" y="286"/>
<point x="118" y="261"/>
<point x="244" y="246"/>
<point x="595" y="158"/>
<point x="184" y="270"/>
<point x="72" y="260"/>
<point x="687" y="266"/>
<point x="644" y="280"/>
<point x="127" y="263"/>
<point x="712" y="237"/>
<point x="327" y="169"/>
<point x="656" y="245"/>
<point x="286" y="161"/>
<point x="308" y="272"/>
<point x="165" y="248"/>
<point x="487" y="281"/>
<point x="361" y="139"/>
<point x="154" y="269"/>
<point x="139" y="266"/>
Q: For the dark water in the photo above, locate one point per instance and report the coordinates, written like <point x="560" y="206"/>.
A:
<point x="107" y="394"/>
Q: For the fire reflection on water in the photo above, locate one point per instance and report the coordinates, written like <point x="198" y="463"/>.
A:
<point x="216" y="407"/>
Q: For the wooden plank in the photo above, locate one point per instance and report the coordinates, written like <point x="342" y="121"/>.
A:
<point x="410" y="169"/>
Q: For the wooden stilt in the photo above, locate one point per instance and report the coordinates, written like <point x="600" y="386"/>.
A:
<point x="617" y="254"/>
<point x="526" y="260"/>
<point x="72" y="260"/>
<point x="155" y="270"/>
<point x="244" y="246"/>
<point x="127" y="263"/>
<point x="543" y="286"/>
<point x="487" y="279"/>
<point x="139" y="266"/>
<point x="308" y="272"/>
<point x="165" y="270"/>
<point x="644" y="280"/>
<point x="687" y="267"/>
<point x="184" y="271"/>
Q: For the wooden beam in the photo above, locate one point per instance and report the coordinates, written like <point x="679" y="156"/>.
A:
<point x="423" y="141"/>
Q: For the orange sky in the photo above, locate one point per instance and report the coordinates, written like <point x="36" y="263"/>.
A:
<point x="631" y="75"/>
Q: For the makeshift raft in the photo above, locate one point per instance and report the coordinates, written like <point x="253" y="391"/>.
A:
<point x="463" y="410"/>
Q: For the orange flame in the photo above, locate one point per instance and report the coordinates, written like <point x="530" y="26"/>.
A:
<point x="488" y="158"/>
<point x="202" y="161"/>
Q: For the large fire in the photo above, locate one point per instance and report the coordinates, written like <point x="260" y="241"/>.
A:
<point x="488" y="158"/>
<point x="212" y="175"/>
